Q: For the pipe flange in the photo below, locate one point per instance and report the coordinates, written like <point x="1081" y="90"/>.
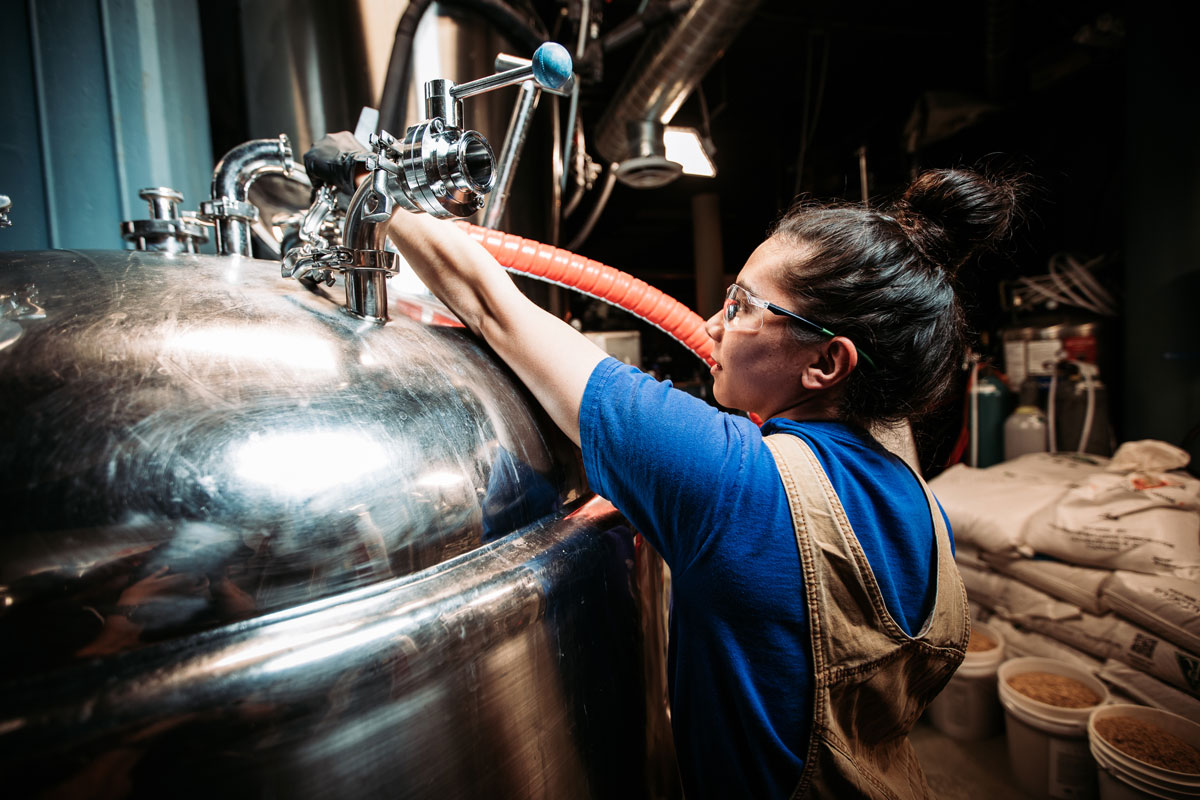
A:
<point x="648" y="171"/>
<point x="171" y="235"/>
<point x="228" y="208"/>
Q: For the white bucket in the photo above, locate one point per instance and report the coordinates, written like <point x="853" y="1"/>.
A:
<point x="1123" y="777"/>
<point x="968" y="709"/>
<point x="1048" y="745"/>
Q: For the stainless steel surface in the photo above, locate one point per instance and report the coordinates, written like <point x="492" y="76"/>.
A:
<point x="440" y="103"/>
<point x="303" y="65"/>
<point x="667" y="70"/>
<point x="256" y="547"/>
<point x="164" y="201"/>
<point x="201" y="403"/>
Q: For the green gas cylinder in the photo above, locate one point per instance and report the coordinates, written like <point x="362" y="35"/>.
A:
<point x="989" y="404"/>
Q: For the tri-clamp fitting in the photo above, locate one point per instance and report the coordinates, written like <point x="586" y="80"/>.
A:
<point x="165" y="231"/>
<point x="437" y="168"/>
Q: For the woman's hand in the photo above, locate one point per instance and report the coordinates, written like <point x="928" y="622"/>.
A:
<point x="336" y="159"/>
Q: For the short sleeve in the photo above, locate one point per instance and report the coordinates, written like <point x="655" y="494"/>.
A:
<point x="665" y="459"/>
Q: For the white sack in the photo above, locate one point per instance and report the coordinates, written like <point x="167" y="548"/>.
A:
<point x="989" y="508"/>
<point x="1019" y="643"/>
<point x="1148" y="455"/>
<point x="1143" y="522"/>
<point x="1080" y="586"/>
<point x="1149" y="691"/>
<point x="1167" y="606"/>
<point x="1109" y="636"/>
<point x="1012" y="599"/>
<point x="967" y="555"/>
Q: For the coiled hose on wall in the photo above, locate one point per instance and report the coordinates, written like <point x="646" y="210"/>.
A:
<point x="586" y="276"/>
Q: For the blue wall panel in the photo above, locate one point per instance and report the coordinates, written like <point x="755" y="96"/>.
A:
<point x="20" y="152"/>
<point x="103" y="97"/>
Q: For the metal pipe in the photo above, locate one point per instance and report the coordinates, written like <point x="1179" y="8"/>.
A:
<point x="550" y="68"/>
<point x="238" y="168"/>
<point x="585" y="22"/>
<point x="230" y="208"/>
<point x="610" y="180"/>
<point x="708" y="253"/>
<point x="570" y="137"/>
<point x="668" y="69"/>
<point x="510" y="154"/>
<point x="363" y="229"/>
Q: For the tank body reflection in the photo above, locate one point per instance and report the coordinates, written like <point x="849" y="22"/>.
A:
<point x="256" y="545"/>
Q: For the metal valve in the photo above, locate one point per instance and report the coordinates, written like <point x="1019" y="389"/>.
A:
<point x="442" y="169"/>
<point x="437" y="168"/>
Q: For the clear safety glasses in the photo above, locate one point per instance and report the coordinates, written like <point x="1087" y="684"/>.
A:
<point x="744" y="312"/>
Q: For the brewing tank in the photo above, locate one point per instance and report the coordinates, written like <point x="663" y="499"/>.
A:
<point x="253" y="544"/>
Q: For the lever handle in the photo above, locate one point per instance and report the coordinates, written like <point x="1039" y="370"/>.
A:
<point x="550" y="68"/>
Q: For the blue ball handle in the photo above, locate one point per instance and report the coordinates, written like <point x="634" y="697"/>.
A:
<point x="552" y="65"/>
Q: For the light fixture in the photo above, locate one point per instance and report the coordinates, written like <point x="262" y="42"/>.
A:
<point x="685" y="147"/>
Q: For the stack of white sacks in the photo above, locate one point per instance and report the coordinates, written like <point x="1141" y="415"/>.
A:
<point x="1090" y="560"/>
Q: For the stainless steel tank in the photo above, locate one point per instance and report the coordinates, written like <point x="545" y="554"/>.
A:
<point x="253" y="545"/>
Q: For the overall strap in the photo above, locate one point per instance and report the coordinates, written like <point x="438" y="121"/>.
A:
<point x="855" y="642"/>
<point x="822" y="528"/>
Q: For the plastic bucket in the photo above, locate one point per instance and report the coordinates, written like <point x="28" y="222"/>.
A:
<point x="1048" y="745"/>
<point x="968" y="708"/>
<point x="1124" y="777"/>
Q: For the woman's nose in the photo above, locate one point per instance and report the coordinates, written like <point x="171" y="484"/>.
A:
<point x="714" y="327"/>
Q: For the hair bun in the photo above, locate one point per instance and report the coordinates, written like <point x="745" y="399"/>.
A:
<point x="953" y="214"/>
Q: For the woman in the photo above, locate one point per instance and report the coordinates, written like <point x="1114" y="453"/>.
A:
<point x="817" y="609"/>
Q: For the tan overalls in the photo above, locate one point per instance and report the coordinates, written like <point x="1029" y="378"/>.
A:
<point x="872" y="679"/>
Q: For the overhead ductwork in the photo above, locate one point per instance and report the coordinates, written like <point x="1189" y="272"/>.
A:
<point x="665" y="73"/>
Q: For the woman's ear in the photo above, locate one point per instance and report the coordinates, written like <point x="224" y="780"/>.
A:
<point x="829" y="364"/>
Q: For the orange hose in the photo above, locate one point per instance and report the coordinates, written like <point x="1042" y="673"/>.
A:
<point x="555" y="265"/>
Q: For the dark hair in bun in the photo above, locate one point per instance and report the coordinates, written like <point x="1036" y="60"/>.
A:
<point x="885" y="279"/>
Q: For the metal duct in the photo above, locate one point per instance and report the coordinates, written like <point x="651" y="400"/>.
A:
<point x="667" y="70"/>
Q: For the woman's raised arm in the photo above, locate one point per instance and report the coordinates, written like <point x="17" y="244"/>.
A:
<point x="553" y="359"/>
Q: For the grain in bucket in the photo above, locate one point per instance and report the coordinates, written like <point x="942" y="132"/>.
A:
<point x="1046" y="707"/>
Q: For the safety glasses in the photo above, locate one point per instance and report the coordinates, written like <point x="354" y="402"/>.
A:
<point x="743" y="311"/>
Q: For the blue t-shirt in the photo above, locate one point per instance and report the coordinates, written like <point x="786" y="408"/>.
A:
<point x="703" y="488"/>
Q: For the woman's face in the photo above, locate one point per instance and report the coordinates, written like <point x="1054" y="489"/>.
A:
<point x="757" y="371"/>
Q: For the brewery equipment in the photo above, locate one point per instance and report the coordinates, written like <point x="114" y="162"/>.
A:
<point x="260" y="541"/>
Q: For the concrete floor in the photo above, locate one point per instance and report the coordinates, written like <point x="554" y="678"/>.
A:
<point x="965" y="770"/>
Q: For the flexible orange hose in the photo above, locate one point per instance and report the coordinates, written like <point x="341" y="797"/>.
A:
<point x="555" y="265"/>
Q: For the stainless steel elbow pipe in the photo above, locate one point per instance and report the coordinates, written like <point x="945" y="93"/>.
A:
<point x="230" y="209"/>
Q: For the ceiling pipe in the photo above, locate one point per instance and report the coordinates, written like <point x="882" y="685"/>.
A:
<point x="665" y="73"/>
